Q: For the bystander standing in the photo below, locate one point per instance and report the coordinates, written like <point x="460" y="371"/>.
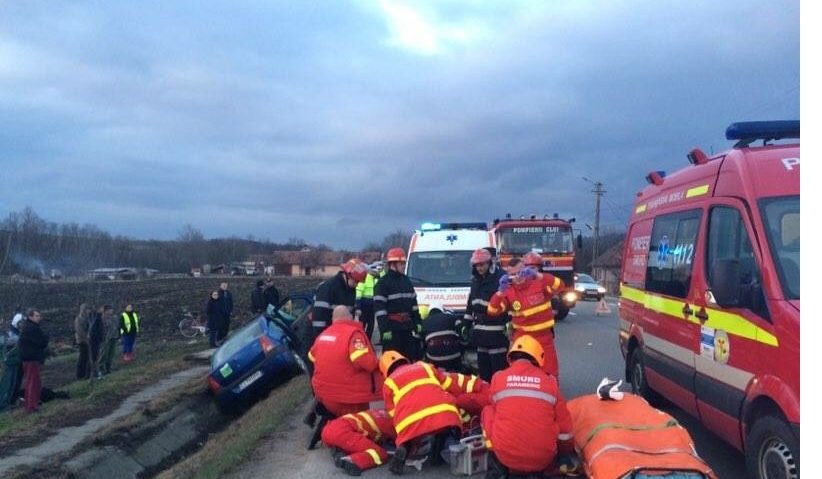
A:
<point x="33" y="345"/>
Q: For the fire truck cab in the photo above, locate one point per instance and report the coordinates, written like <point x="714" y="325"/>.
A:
<point x="553" y="239"/>
<point x="439" y="263"/>
<point x="709" y="300"/>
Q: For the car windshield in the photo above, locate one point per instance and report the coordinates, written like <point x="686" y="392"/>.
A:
<point x="584" y="278"/>
<point x="440" y="268"/>
<point x="541" y="239"/>
<point x="781" y="217"/>
<point x="236" y="342"/>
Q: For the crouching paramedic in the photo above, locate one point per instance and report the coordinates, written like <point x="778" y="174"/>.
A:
<point x="345" y="376"/>
<point x="359" y="436"/>
<point x="526" y="294"/>
<point x="527" y="423"/>
<point x="421" y="401"/>
<point x="336" y="291"/>
<point x="440" y="339"/>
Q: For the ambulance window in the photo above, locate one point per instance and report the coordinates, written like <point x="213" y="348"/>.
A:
<point x="671" y="252"/>
<point x="728" y="240"/>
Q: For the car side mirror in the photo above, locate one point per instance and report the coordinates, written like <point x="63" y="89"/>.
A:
<point x="725" y="282"/>
<point x="579" y="241"/>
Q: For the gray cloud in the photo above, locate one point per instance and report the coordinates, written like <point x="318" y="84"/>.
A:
<point x="323" y="121"/>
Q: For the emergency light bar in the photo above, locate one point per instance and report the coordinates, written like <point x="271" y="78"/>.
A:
<point x="453" y="226"/>
<point x="747" y="132"/>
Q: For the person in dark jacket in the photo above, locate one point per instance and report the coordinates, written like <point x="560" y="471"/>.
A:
<point x="214" y="316"/>
<point x="258" y="305"/>
<point x="338" y="290"/>
<point x="32" y="345"/>
<point x="96" y="335"/>
<point x="396" y="309"/>
<point x="81" y="338"/>
<point x="227" y="307"/>
<point x="111" y="333"/>
<point x="129" y="327"/>
<point x="487" y="334"/>
<point x="271" y="294"/>
<point x="440" y="339"/>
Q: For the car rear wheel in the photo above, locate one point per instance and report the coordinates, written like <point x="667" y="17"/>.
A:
<point x="772" y="450"/>
<point x="187" y="328"/>
<point x="639" y="380"/>
<point x="300" y="366"/>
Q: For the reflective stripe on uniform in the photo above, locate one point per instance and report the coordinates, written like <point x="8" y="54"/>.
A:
<point x="470" y="386"/>
<point x="319" y="324"/>
<point x="374" y="456"/>
<point x="370" y="422"/>
<point x="526" y="393"/>
<point x="441" y="333"/>
<point x="443" y="358"/>
<point x="358" y="353"/>
<point x="565" y="436"/>
<point x="424" y="413"/>
<point x="399" y="393"/>
<point x="379" y="297"/>
<point x="401" y="295"/>
<point x="489" y="327"/>
<point x="623" y="447"/>
<point x="556" y="283"/>
<point x="322" y="304"/>
<point x="380" y="313"/>
<point x="492" y="350"/>
<point x="447" y="383"/>
<point x="535" y="327"/>
<point x="311" y="357"/>
<point x="531" y="311"/>
<point x="481" y="302"/>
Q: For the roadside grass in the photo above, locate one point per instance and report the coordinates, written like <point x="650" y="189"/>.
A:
<point x="234" y="445"/>
<point x="95" y="398"/>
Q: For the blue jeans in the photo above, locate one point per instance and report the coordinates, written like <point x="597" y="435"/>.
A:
<point x="128" y="343"/>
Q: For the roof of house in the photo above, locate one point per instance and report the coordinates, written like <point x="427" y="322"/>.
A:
<point x="325" y="258"/>
<point x="611" y="258"/>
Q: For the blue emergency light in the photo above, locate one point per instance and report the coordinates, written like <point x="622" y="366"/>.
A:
<point x="430" y="227"/>
<point x="749" y="131"/>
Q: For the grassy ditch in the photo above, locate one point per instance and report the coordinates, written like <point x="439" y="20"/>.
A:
<point x="232" y="446"/>
<point x="94" y="398"/>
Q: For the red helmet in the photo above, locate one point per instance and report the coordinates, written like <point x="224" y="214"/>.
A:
<point x="532" y="259"/>
<point x="395" y="254"/>
<point x="481" y="255"/>
<point x="355" y="269"/>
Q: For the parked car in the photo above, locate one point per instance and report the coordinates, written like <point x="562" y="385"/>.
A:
<point x="586" y="287"/>
<point x="259" y="356"/>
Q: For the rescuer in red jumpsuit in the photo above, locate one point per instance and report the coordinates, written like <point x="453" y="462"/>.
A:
<point x="421" y="400"/>
<point x="359" y="436"/>
<point x="345" y="376"/>
<point x="527" y="423"/>
<point x="525" y="294"/>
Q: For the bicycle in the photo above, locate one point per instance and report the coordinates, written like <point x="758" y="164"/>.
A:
<point x="191" y="325"/>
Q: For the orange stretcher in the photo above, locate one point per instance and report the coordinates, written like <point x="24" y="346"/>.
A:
<point x="630" y="439"/>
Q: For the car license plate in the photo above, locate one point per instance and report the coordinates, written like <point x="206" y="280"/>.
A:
<point x="247" y="381"/>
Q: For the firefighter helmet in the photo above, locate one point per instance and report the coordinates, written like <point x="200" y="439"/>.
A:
<point x="530" y="346"/>
<point x="395" y="254"/>
<point x="532" y="259"/>
<point x="388" y="359"/>
<point x="355" y="269"/>
<point x="481" y="255"/>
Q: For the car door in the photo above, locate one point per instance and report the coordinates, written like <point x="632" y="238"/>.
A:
<point x="670" y="333"/>
<point x="734" y="341"/>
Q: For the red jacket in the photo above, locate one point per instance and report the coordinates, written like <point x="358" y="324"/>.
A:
<point x="375" y="424"/>
<point x="345" y="365"/>
<point x="529" y="304"/>
<point x="527" y="421"/>
<point x="421" y="399"/>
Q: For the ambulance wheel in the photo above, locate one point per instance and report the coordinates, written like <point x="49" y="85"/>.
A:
<point x="561" y="313"/>
<point x="639" y="379"/>
<point x="772" y="450"/>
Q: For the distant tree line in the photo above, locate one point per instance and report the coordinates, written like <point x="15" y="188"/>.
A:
<point x="31" y="245"/>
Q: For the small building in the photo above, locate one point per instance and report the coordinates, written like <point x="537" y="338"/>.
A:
<point x="313" y="262"/>
<point x="606" y="267"/>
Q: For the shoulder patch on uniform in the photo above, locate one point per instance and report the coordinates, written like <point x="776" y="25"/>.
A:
<point x="517" y="305"/>
<point x="359" y="344"/>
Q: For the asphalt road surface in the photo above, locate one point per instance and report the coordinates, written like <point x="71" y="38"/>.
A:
<point x="588" y="351"/>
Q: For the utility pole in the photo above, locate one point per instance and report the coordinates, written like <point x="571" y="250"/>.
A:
<point x="598" y="191"/>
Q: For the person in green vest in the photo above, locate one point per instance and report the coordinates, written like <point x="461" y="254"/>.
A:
<point x="129" y="327"/>
<point x="365" y="297"/>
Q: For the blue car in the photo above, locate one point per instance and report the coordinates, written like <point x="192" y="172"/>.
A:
<point x="261" y="355"/>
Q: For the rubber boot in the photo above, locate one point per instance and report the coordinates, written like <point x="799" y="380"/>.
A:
<point x="348" y="466"/>
<point x="397" y="464"/>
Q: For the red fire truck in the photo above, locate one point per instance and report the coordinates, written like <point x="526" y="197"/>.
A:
<point x="551" y="237"/>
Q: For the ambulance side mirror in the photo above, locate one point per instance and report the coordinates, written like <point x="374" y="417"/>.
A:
<point x="725" y="282"/>
<point x="579" y="241"/>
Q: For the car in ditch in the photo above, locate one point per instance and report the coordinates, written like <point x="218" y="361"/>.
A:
<point x="259" y="356"/>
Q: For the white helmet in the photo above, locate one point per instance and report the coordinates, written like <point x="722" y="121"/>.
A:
<point x="435" y="305"/>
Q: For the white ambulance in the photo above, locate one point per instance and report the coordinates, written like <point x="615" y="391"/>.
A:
<point x="439" y="262"/>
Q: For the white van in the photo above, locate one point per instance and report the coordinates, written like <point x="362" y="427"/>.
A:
<point x="439" y="262"/>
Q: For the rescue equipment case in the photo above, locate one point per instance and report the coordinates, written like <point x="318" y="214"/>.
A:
<point x="469" y="457"/>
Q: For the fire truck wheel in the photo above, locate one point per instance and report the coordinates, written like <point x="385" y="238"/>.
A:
<point x="639" y="380"/>
<point x="772" y="450"/>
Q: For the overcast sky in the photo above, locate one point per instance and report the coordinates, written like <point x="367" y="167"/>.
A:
<point x="340" y="121"/>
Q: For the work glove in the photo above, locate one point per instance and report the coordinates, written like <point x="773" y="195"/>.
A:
<point x="569" y="465"/>
<point x="609" y="390"/>
<point x="504" y="283"/>
<point x="386" y="336"/>
<point x="528" y="272"/>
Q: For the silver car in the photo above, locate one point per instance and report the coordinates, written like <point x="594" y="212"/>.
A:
<point x="587" y="288"/>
